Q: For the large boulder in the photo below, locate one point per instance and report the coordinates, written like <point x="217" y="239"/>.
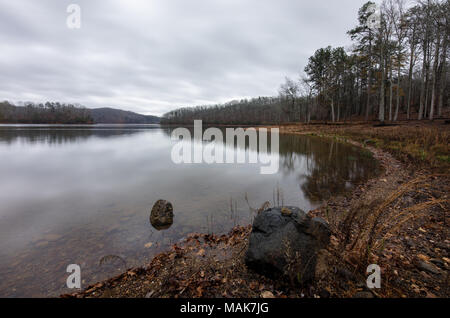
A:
<point x="284" y="242"/>
<point x="161" y="216"/>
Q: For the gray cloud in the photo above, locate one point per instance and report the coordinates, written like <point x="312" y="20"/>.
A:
<point x="154" y="56"/>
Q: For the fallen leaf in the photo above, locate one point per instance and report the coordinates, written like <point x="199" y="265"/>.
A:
<point x="253" y="285"/>
<point x="148" y="245"/>
<point x="201" y="252"/>
<point x="267" y="294"/>
<point x="423" y="257"/>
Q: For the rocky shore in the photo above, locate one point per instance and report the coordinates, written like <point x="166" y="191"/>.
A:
<point x="398" y="220"/>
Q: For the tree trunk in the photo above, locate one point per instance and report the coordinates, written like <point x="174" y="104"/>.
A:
<point x="368" y="98"/>
<point x="390" y="90"/>
<point x="332" y="110"/>
<point x="381" y="104"/>
<point x="338" y="112"/>
<point x="442" y="74"/>
<point x="369" y="79"/>
<point x="435" y="70"/>
<point x="427" y="88"/>
<point x="411" y="65"/>
<point x="422" y="85"/>
<point x="442" y="84"/>
<point x="397" y="106"/>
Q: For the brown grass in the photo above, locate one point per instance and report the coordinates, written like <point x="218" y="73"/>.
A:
<point x="426" y="146"/>
<point x="365" y="228"/>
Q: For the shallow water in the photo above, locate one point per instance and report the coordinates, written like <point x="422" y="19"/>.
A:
<point x="75" y="194"/>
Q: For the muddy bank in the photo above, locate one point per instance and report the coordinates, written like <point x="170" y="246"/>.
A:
<point x="398" y="220"/>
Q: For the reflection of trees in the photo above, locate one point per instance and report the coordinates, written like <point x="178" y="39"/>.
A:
<point x="324" y="166"/>
<point x="329" y="168"/>
<point x="58" y="136"/>
<point x="168" y="131"/>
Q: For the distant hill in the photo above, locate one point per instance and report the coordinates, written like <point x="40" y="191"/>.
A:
<point x="117" y="116"/>
<point x="57" y="113"/>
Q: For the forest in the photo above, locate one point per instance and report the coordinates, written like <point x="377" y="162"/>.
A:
<point x="395" y="69"/>
<point x="48" y="113"/>
<point x="57" y="113"/>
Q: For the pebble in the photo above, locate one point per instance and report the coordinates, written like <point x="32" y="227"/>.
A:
<point x="427" y="267"/>
<point x="324" y="293"/>
<point x="267" y="294"/>
<point x="52" y="237"/>
<point x="363" y="294"/>
<point x="437" y="262"/>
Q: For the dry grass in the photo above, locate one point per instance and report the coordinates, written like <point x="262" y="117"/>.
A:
<point x="427" y="146"/>
<point x="364" y="230"/>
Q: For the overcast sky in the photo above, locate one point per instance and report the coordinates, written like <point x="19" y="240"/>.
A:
<point x="151" y="56"/>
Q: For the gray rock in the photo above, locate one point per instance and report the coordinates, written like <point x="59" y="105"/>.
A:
<point x="427" y="267"/>
<point x="363" y="294"/>
<point x="410" y="243"/>
<point x="161" y="216"/>
<point x="285" y="242"/>
<point x="443" y="246"/>
<point x="438" y="262"/>
<point x="324" y="293"/>
<point x="346" y="274"/>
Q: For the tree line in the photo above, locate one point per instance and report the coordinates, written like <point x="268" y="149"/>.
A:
<point x="47" y="113"/>
<point x="245" y="111"/>
<point x="396" y="67"/>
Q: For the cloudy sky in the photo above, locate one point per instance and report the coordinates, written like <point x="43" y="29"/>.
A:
<point x="151" y="56"/>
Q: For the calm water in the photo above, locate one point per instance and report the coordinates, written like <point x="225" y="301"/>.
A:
<point x="77" y="195"/>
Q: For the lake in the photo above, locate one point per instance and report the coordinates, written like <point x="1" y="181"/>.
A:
<point x="83" y="194"/>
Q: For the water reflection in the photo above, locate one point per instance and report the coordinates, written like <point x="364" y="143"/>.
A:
<point x="323" y="167"/>
<point x="330" y="167"/>
<point x="78" y="195"/>
<point x="62" y="134"/>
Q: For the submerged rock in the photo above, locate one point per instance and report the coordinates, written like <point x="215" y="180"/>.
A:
<point x="161" y="216"/>
<point x="285" y="242"/>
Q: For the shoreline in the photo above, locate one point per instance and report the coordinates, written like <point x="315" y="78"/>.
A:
<point x="205" y="265"/>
